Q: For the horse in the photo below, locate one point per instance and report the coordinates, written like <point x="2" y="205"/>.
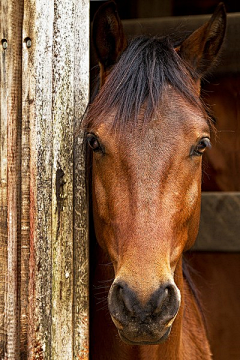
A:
<point x="146" y="132"/>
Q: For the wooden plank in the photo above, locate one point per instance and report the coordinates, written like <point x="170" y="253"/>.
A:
<point x="27" y="107"/>
<point x="37" y="154"/>
<point x="62" y="179"/>
<point x="55" y="95"/>
<point x="80" y="250"/>
<point x="14" y="77"/>
<point x="70" y="96"/>
<point x="185" y="24"/>
<point x="3" y="181"/>
<point x="219" y="225"/>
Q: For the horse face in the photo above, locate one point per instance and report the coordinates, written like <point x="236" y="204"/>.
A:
<point x="146" y="201"/>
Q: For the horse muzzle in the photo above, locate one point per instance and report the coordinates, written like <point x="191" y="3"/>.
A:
<point x="146" y="324"/>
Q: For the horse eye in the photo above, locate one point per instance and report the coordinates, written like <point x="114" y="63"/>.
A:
<point x="199" y="149"/>
<point x="93" y="142"/>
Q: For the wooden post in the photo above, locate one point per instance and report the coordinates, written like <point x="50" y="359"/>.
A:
<point x="43" y="211"/>
<point x="10" y="182"/>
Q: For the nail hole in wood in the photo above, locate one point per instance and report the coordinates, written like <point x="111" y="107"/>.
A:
<point x="4" y="44"/>
<point x="28" y="42"/>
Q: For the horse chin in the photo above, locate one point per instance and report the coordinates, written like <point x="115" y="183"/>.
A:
<point x="145" y="340"/>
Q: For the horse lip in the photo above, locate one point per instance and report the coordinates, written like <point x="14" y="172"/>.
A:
<point x="168" y="326"/>
<point x="160" y="340"/>
<point x="117" y="323"/>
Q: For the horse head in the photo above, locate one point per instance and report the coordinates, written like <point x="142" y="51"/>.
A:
<point x="147" y="130"/>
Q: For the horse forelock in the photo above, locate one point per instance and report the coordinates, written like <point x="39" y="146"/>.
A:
<point x="135" y="85"/>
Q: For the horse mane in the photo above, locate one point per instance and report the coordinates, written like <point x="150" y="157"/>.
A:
<point x="136" y="82"/>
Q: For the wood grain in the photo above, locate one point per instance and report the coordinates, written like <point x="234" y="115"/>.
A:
<point x="43" y="210"/>
<point x="14" y="107"/>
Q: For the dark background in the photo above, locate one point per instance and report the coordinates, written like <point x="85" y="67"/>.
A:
<point x="130" y="9"/>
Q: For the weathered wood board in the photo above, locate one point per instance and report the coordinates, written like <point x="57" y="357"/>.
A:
<point x="10" y="182"/>
<point x="43" y="210"/>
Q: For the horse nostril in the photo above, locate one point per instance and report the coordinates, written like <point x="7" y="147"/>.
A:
<point x="165" y="301"/>
<point x="122" y="300"/>
<point x="161" y="300"/>
<point x="126" y="299"/>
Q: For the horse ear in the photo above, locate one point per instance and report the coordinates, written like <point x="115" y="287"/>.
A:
<point x="108" y="37"/>
<point x="201" y="48"/>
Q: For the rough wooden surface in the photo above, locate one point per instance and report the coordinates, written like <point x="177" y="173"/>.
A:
<point x="43" y="211"/>
<point x="62" y="180"/>
<point x="14" y="120"/>
<point x="37" y="128"/>
<point x="11" y="75"/>
<point x="80" y="251"/>
<point x="58" y="318"/>
<point x="3" y="183"/>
